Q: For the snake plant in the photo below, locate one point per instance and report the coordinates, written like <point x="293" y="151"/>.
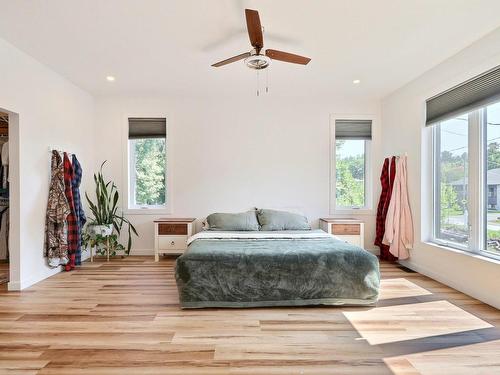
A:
<point x="105" y="209"/>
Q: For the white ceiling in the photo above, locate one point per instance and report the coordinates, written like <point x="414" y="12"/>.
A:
<point x="167" y="46"/>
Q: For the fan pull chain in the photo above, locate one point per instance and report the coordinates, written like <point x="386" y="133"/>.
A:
<point x="258" y="82"/>
<point x="267" y="81"/>
<point x="258" y="88"/>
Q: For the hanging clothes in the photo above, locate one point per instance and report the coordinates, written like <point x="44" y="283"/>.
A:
<point x="79" y="213"/>
<point x="387" y="181"/>
<point x="72" y="227"/>
<point x="5" y="165"/>
<point x="399" y="223"/>
<point x="4" y="232"/>
<point x="2" y="172"/>
<point x="56" y="242"/>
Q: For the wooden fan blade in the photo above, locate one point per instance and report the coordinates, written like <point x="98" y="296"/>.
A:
<point x="231" y="59"/>
<point x="287" y="57"/>
<point x="254" y="28"/>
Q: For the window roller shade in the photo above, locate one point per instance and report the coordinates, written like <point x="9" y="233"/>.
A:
<point x="353" y="129"/>
<point x="475" y="93"/>
<point x="147" y="128"/>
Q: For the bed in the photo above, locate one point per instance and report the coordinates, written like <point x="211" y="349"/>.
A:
<point x="277" y="268"/>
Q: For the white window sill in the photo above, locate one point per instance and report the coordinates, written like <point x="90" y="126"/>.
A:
<point x="147" y="211"/>
<point x="352" y="211"/>
<point x="463" y="252"/>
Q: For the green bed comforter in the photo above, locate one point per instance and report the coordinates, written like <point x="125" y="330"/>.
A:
<point x="287" y="271"/>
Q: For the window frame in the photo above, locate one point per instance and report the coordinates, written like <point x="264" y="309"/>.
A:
<point x="477" y="188"/>
<point x="436" y="189"/>
<point x="129" y="208"/>
<point x="367" y="209"/>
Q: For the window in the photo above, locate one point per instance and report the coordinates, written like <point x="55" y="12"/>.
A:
<point x="451" y="190"/>
<point x="492" y="153"/>
<point x="466" y="164"/>
<point x="350" y="173"/>
<point x="147" y="163"/>
<point x="350" y="178"/>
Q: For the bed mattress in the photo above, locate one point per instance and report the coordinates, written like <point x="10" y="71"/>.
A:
<point x="292" y="268"/>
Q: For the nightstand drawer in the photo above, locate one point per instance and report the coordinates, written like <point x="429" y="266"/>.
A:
<point x="346" y="229"/>
<point x="169" y="229"/>
<point x="172" y="243"/>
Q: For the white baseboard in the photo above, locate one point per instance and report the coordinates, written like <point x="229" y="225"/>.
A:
<point x="85" y="254"/>
<point x="48" y="272"/>
<point x="26" y="283"/>
<point x="14" y="285"/>
<point x="446" y="281"/>
<point x="142" y="252"/>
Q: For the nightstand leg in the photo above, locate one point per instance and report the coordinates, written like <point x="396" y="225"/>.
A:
<point x="157" y="256"/>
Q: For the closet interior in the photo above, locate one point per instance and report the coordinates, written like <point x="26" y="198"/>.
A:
<point x="4" y="197"/>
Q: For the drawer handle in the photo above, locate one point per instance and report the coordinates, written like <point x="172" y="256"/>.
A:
<point x="172" y="243"/>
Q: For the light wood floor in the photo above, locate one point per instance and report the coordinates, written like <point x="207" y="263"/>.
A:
<point x="123" y="317"/>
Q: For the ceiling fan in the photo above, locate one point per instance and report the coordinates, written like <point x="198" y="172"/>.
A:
<point x="255" y="59"/>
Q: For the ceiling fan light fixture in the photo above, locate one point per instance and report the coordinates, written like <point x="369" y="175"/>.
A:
<point x="255" y="59"/>
<point x="257" y="62"/>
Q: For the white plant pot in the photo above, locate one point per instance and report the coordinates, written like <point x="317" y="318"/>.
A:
<point x="103" y="230"/>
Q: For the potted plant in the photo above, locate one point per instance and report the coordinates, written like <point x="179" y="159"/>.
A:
<point x="104" y="228"/>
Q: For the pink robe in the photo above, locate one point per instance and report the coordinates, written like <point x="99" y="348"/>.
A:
<point x="399" y="223"/>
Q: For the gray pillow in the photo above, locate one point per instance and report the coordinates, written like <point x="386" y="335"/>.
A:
<point x="281" y="220"/>
<point x="244" y="221"/>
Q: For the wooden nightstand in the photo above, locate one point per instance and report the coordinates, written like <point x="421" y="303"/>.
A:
<point x="171" y="235"/>
<point x="349" y="230"/>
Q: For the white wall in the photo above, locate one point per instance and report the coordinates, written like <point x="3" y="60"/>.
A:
<point x="232" y="154"/>
<point x="403" y="131"/>
<point x="51" y="112"/>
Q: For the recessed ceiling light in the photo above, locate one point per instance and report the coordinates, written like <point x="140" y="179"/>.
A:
<point x="356" y="81"/>
<point x="110" y="78"/>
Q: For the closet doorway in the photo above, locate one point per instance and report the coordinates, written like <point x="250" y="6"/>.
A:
<point x="10" y="205"/>
<point x="4" y="198"/>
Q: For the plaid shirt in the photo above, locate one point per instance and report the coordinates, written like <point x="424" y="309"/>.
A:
<point x="387" y="181"/>
<point x="79" y="213"/>
<point x="71" y="220"/>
